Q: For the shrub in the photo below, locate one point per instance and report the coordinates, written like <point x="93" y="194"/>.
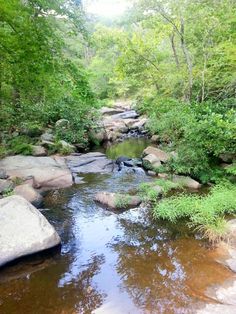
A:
<point x="20" y="145"/>
<point x="205" y="213"/>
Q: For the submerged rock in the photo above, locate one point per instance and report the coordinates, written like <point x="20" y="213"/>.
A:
<point x="117" y="201"/>
<point x="23" y="230"/>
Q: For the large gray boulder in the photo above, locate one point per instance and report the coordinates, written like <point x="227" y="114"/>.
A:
<point x="48" y="172"/>
<point x="23" y="230"/>
<point x="90" y="163"/>
<point x="186" y="182"/>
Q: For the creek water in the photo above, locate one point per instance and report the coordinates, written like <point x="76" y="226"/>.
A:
<point x="111" y="263"/>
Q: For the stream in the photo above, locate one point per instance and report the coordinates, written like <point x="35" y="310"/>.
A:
<point x="111" y="263"/>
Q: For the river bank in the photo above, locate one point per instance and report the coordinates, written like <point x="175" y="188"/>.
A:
<point x="112" y="262"/>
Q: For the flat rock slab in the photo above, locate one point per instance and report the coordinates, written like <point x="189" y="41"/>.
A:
<point x="132" y="114"/>
<point x="23" y="230"/>
<point x="48" y="172"/>
<point x="90" y="163"/>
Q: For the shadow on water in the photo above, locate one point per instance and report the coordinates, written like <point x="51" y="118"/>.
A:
<point x="110" y="263"/>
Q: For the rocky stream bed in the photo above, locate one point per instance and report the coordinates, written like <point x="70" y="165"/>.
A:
<point x="106" y="261"/>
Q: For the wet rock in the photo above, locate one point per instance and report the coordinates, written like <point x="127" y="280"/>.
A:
<point x="39" y="151"/>
<point x="186" y="182"/>
<point x="48" y="172"/>
<point x="30" y="194"/>
<point x="117" y="201"/>
<point x="23" y="230"/>
<point x="158" y="153"/>
<point x="132" y="114"/>
<point x="111" y="111"/>
<point x="90" y="163"/>
<point x="151" y="162"/>
<point x="5" y="186"/>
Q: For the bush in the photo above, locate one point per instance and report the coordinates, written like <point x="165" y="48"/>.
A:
<point x="20" y="145"/>
<point x="205" y="213"/>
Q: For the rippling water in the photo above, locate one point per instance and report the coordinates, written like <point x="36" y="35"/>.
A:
<point x="110" y="263"/>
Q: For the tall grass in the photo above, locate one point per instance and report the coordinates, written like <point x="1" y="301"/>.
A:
<point x="205" y="213"/>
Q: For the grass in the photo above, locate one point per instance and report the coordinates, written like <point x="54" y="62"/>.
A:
<point x="122" y="201"/>
<point x="150" y="192"/>
<point x="205" y="213"/>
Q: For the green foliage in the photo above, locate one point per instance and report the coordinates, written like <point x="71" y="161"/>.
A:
<point x="43" y="77"/>
<point x="231" y="169"/>
<point x="150" y="192"/>
<point x="20" y="145"/>
<point x="122" y="201"/>
<point x="205" y="213"/>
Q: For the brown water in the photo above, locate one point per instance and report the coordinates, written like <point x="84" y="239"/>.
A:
<point x="110" y="263"/>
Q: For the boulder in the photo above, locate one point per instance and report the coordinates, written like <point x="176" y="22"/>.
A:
<point x="186" y="182"/>
<point x="117" y="201"/>
<point x="48" y="172"/>
<point x="140" y="124"/>
<point x="30" y="194"/>
<point x="158" y="153"/>
<point x="5" y="185"/>
<point x="39" y="151"/>
<point x="110" y="111"/>
<point x="131" y="114"/>
<point x="23" y="230"/>
<point x="47" y="136"/>
<point x="90" y="163"/>
<point x="151" y="162"/>
<point x="228" y="157"/>
<point x="151" y="173"/>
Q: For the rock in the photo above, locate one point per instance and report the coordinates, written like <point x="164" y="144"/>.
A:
<point x="62" y="123"/>
<point x="47" y="137"/>
<point x="115" y="125"/>
<point x="67" y="146"/>
<point x="131" y="114"/>
<point x="48" y="172"/>
<point x="117" y="201"/>
<point x="98" y="134"/>
<point x="23" y="230"/>
<point x="155" y="139"/>
<point x="5" y="186"/>
<point x="3" y="174"/>
<point x="39" y="151"/>
<point x="110" y="111"/>
<point x="29" y="193"/>
<point x="140" y="124"/>
<point x="151" y="173"/>
<point x="158" y="153"/>
<point x="151" y="162"/>
<point x="90" y="163"/>
<point x="228" y="157"/>
<point x="186" y="182"/>
<point x="163" y="175"/>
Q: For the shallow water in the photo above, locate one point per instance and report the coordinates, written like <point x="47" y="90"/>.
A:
<point x="109" y="262"/>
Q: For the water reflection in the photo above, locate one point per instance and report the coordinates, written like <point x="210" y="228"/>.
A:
<point x="110" y="263"/>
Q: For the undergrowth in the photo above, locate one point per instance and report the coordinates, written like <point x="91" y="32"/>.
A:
<point x="205" y="213"/>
